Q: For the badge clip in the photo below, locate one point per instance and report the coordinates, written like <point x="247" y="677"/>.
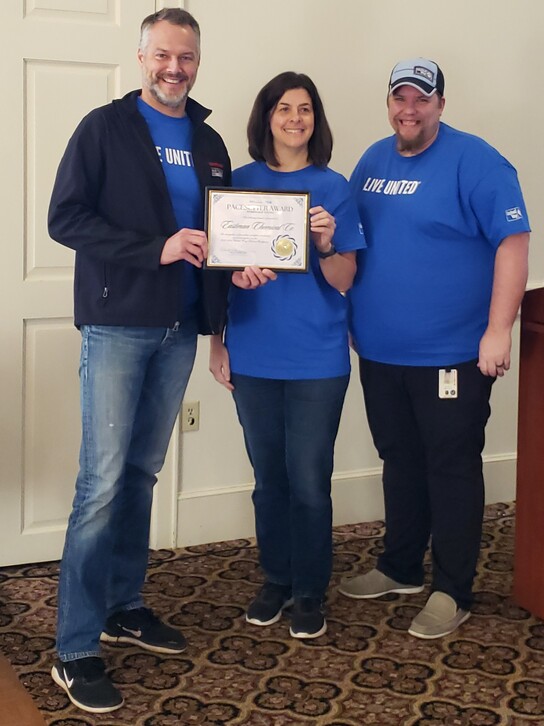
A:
<point x="447" y="383"/>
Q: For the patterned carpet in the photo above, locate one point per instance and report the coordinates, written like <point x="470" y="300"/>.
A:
<point x="365" y="670"/>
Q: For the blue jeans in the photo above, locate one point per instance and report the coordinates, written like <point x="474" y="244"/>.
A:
<point x="132" y="382"/>
<point x="290" y="428"/>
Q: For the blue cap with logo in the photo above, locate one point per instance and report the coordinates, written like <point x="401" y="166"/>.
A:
<point x="420" y="73"/>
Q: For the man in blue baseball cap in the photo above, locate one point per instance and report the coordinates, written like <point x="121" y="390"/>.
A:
<point x="433" y="304"/>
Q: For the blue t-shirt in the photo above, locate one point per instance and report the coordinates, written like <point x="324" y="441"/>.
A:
<point x="433" y="223"/>
<point x="173" y="140"/>
<point x="295" y="327"/>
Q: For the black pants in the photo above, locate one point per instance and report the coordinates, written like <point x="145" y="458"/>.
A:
<point x="432" y="471"/>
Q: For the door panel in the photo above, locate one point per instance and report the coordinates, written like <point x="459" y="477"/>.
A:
<point x="65" y="57"/>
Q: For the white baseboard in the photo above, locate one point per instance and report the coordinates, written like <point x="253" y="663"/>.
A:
<point x="216" y="515"/>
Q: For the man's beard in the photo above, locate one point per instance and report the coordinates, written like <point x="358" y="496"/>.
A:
<point x="410" y="145"/>
<point x="173" y="102"/>
<point x="417" y="143"/>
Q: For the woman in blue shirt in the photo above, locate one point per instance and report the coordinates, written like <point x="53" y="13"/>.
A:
<point x="286" y="356"/>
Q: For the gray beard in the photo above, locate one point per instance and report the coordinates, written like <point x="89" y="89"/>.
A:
<point x="173" y="102"/>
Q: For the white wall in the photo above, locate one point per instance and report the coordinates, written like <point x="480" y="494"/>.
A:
<point x="490" y="52"/>
<point x="491" y="59"/>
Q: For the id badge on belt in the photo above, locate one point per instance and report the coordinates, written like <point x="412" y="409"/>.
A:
<point x="447" y="383"/>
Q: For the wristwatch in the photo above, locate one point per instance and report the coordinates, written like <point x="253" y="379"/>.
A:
<point x="329" y="253"/>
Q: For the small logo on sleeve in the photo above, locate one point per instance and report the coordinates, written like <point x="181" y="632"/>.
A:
<point x="513" y="214"/>
<point x="216" y="170"/>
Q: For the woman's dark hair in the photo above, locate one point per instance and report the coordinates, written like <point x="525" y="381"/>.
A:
<point x="261" y="142"/>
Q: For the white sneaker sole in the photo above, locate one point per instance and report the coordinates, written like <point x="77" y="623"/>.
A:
<point x="371" y="596"/>
<point x="264" y="623"/>
<point x="128" y="640"/>
<point x="306" y="636"/>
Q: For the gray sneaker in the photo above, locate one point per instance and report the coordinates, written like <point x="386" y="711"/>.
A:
<point x="439" y="617"/>
<point x="374" y="584"/>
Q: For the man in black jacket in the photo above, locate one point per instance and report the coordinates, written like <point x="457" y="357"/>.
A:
<point x="128" y="198"/>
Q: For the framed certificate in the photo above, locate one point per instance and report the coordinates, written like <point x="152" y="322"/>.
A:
<point x="255" y="227"/>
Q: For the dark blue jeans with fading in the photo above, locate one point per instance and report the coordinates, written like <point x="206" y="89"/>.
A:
<point x="290" y="427"/>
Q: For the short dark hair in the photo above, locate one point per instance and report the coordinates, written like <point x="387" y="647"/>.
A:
<point x="175" y="16"/>
<point x="261" y="142"/>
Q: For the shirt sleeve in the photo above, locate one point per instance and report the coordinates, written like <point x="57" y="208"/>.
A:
<point x="497" y="203"/>
<point x="348" y="235"/>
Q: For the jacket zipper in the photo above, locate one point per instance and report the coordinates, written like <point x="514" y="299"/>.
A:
<point x="105" y="290"/>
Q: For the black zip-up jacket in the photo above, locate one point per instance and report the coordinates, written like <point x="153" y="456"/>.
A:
<point x="110" y="203"/>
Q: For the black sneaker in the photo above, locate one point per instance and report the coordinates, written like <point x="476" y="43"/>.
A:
<point x="87" y="685"/>
<point x="308" y="618"/>
<point x="267" y="607"/>
<point x="141" y="627"/>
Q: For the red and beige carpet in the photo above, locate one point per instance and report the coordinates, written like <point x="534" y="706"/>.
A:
<point x="365" y="670"/>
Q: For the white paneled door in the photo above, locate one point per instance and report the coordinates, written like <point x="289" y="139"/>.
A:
<point x="63" y="58"/>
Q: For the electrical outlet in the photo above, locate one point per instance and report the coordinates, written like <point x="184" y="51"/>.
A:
<point x="190" y="415"/>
